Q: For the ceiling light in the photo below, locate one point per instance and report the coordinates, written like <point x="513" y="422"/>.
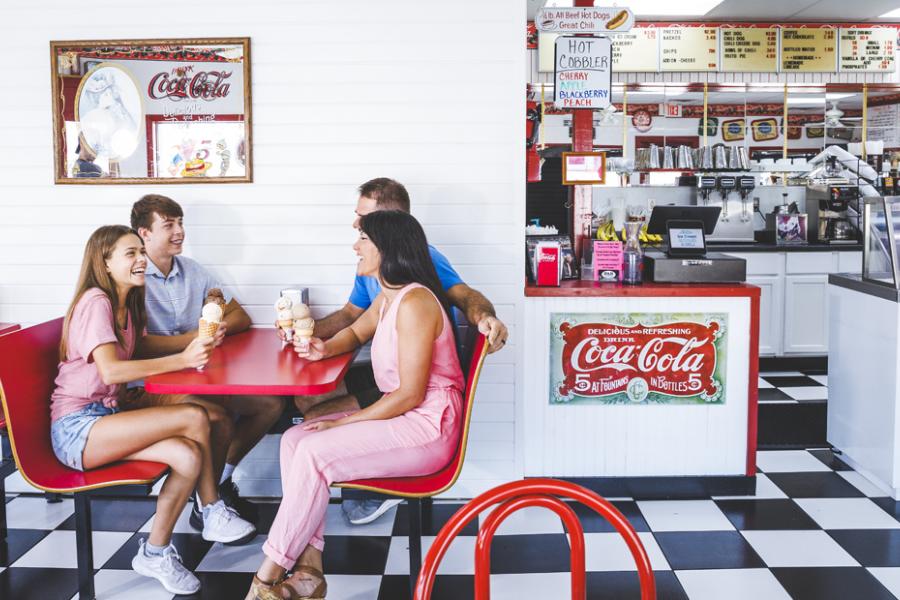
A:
<point x="668" y="7"/>
<point x="805" y="101"/>
<point x="894" y="14"/>
<point x="657" y="7"/>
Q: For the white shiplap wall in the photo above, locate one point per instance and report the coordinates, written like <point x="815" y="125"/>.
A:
<point x="427" y="93"/>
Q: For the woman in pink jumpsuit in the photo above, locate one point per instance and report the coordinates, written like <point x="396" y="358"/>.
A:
<point x="412" y="430"/>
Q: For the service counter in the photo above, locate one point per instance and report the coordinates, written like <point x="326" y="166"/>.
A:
<point x="643" y="391"/>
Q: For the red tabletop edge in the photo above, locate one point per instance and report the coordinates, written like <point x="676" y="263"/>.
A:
<point x="8" y="328"/>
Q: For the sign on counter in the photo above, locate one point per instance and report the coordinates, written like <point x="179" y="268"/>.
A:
<point x="596" y="19"/>
<point x="638" y="358"/>
<point x="871" y="50"/>
<point x="583" y="74"/>
<point x="808" y="50"/>
<point x="749" y="49"/>
<point x="636" y="51"/>
<point x="689" y="49"/>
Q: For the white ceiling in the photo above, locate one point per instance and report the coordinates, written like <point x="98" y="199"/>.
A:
<point x="772" y="10"/>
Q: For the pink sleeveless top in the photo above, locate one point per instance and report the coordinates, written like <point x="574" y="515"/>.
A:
<point x="445" y="380"/>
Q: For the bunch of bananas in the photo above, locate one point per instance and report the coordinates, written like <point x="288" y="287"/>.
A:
<point x="608" y="233"/>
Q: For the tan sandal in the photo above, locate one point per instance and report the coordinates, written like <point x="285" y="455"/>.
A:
<point x="317" y="594"/>
<point x="260" y="590"/>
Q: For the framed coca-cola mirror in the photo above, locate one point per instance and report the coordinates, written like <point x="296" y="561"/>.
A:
<point x="152" y="111"/>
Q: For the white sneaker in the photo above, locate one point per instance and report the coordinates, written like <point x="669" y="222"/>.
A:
<point x="167" y="569"/>
<point x="222" y="524"/>
<point x="366" y="511"/>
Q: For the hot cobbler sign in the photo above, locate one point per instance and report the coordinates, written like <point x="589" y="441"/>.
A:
<point x="638" y="358"/>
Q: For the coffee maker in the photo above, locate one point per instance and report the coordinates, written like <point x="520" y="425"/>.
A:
<point x="834" y="216"/>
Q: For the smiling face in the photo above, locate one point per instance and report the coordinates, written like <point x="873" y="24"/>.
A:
<point x="126" y="263"/>
<point x="369" y="257"/>
<point x="165" y="237"/>
<point x="364" y="206"/>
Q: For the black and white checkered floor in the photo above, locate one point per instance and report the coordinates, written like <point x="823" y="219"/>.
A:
<point x="792" y="387"/>
<point x="815" y="530"/>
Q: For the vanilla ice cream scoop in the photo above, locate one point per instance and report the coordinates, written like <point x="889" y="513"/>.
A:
<point x="282" y="303"/>
<point x="300" y="311"/>
<point x="211" y="313"/>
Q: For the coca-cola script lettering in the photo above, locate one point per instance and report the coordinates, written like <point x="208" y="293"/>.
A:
<point x="181" y="83"/>
<point x="678" y="361"/>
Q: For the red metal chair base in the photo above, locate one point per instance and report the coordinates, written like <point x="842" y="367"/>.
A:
<point x="520" y="494"/>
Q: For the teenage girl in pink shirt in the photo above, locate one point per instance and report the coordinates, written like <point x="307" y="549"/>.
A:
<point x="413" y="429"/>
<point x="103" y="326"/>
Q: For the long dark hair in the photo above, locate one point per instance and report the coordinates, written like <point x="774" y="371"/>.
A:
<point x="405" y="257"/>
<point x="94" y="275"/>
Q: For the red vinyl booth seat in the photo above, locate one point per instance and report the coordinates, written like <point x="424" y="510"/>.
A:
<point x="28" y="366"/>
<point x="28" y="363"/>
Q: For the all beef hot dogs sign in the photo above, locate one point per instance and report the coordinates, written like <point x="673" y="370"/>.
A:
<point x="629" y="358"/>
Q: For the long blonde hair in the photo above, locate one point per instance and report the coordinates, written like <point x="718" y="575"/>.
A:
<point x="95" y="275"/>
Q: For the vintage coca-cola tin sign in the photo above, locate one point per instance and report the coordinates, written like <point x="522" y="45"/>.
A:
<point x="631" y="358"/>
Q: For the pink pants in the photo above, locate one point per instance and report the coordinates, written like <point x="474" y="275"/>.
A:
<point x="415" y="443"/>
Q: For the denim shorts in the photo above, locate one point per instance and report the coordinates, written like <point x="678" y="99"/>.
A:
<point x="69" y="434"/>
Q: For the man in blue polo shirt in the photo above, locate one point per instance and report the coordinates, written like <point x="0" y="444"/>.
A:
<point x="359" y="389"/>
<point x="176" y="287"/>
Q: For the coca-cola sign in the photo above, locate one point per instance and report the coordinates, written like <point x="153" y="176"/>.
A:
<point x="183" y="82"/>
<point x="657" y="358"/>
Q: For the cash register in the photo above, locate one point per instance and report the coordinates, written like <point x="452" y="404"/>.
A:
<point x="685" y="259"/>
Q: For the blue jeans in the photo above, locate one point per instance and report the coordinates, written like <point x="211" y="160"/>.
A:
<point x="69" y="434"/>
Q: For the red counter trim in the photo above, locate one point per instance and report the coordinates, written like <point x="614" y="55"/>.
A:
<point x="753" y="385"/>
<point x="580" y="288"/>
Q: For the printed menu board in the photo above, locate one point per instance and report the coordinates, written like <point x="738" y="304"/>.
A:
<point x="808" y="50"/>
<point x="868" y="49"/>
<point x="749" y="49"/>
<point x="689" y="49"/>
<point x="637" y="50"/>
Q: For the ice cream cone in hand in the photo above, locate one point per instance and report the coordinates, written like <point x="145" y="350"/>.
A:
<point x="284" y="319"/>
<point x="211" y="315"/>
<point x="304" y="324"/>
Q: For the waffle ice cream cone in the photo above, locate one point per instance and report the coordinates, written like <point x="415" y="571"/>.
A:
<point x="304" y="327"/>
<point x="207" y="329"/>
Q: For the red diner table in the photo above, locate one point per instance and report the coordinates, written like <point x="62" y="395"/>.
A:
<point x="253" y="363"/>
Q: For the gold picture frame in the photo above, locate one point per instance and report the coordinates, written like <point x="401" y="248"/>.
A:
<point x="584" y="168"/>
<point x="152" y="111"/>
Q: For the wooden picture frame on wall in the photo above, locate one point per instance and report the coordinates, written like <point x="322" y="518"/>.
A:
<point x="152" y="111"/>
<point x="583" y="168"/>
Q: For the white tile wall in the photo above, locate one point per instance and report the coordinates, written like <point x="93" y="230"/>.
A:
<point x="342" y="92"/>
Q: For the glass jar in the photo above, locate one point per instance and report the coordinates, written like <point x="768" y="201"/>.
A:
<point x="633" y="254"/>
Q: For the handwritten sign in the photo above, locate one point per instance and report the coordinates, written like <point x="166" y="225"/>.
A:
<point x="583" y="74"/>
<point x="689" y="49"/>
<point x="748" y="49"/>
<point x="637" y="50"/>
<point x="882" y="122"/>
<point x="808" y="50"/>
<point x="871" y="50"/>
<point x="593" y="19"/>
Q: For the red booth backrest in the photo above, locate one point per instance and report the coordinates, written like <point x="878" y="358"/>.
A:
<point x="29" y="359"/>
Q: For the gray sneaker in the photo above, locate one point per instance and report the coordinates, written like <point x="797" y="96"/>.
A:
<point x="167" y="569"/>
<point x="362" y="512"/>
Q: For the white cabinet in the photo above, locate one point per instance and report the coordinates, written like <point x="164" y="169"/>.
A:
<point x="771" y="315"/>
<point x="806" y="314"/>
<point x="793" y="311"/>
